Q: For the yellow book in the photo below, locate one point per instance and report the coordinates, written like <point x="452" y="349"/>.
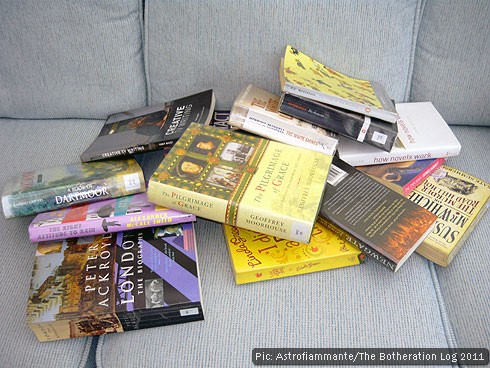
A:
<point x="243" y="180"/>
<point x="303" y="76"/>
<point x="459" y="200"/>
<point x="258" y="257"/>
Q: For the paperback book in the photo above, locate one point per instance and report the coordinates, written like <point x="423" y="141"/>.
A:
<point x="115" y="282"/>
<point x="362" y="128"/>
<point x="107" y="216"/>
<point x="62" y="186"/>
<point x="459" y="200"/>
<point x="256" y="111"/>
<point x="243" y="180"/>
<point x="258" y="257"/>
<point x="149" y="128"/>
<point x="423" y="134"/>
<point x="404" y="176"/>
<point x="304" y="76"/>
<point x="382" y="223"/>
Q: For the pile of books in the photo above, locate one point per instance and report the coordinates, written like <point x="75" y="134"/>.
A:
<point x="327" y="174"/>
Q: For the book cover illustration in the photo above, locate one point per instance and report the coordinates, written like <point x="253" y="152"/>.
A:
<point x="422" y="134"/>
<point x="389" y="225"/>
<point x="107" y="216"/>
<point x="62" y="186"/>
<point x="149" y="128"/>
<point x="115" y="282"/>
<point x="459" y="200"/>
<point x="362" y="128"/>
<point x="257" y="257"/>
<point x="256" y="111"/>
<point x="243" y="180"/>
<point x="304" y="76"/>
<point x="403" y="176"/>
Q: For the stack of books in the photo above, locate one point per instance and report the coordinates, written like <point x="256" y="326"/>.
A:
<point x="323" y="176"/>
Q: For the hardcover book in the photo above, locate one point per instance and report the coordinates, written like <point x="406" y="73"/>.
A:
<point x="258" y="257"/>
<point x="62" y="186"/>
<point x="304" y="76"/>
<point x="115" y="282"/>
<point x="243" y="180"/>
<point x="362" y="128"/>
<point x="107" y="216"/>
<point x="256" y="111"/>
<point x="385" y="225"/>
<point x="404" y="176"/>
<point x="423" y="134"/>
<point x="149" y="128"/>
<point x="459" y="200"/>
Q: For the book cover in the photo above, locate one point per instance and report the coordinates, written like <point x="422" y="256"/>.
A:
<point x="362" y="128"/>
<point x="62" y="186"/>
<point x="404" y="176"/>
<point x="258" y="257"/>
<point x="256" y="111"/>
<point x="389" y="226"/>
<point x="243" y="180"/>
<point x="459" y="200"/>
<point x="107" y="216"/>
<point x="304" y="76"/>
<point x="149" y="128"/>
<point x="115" y="282"/>
<point x="423" y="134"/>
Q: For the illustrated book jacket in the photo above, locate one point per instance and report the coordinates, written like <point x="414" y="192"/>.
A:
<point x="362" y="128"/>
<point x="243" y="180"/>
<point x="149" y="128"/>
<point x="258" y="257"/>
<point x="382" y="223"/>
<point x="459" y="200"/>
<point x="304" y="76"/>
<point x="256" y="110"/>
<point x="403" y="176"/>
<point x="422" y="134"/>
<point x="107" y="216"/>
<point x="115" y="282"/>
<point x="62" y="186"/>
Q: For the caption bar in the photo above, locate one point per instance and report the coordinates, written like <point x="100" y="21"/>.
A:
<point x="350" y="356"/>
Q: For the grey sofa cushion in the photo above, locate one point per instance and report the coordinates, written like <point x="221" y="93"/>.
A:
<point x="70" y="58"/>
<point x="451" y="60"/>
<point x="192" y="46"/>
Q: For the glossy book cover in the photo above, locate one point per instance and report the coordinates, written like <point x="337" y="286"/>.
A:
<point x="115" y="282"/>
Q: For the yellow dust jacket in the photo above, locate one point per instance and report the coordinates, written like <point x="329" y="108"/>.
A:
<point x="243" y="180"/>
<point x="258" y="257"/>
<point x="459" y="200"/>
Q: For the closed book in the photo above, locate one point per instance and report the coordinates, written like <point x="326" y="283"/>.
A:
<point x="258" y="257"/>
<point x="256" y="110"/>
<point x="243" y="180"/>
<point x="57" y="187"/>
<point x="459" y="200"/>
<point x="422" y="134"/>
<point x="149" y="128"/>
<point x="107" y="216"/>
<point x="115" y="282"/>
<point x="304" y="76"/>
<point x="388" y="226"/>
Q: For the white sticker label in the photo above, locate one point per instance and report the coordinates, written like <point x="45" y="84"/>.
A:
<point x="379" y="137"/>
<point x="300" y="232"/>
<point x="189" y="312"/>
<point x="132" y="182"/>
<point x="364" y="129"/>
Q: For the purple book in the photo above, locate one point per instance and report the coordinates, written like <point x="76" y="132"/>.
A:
<point x="107" y="216"/>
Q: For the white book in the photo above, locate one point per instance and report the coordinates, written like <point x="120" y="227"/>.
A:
<point x="422" y="134"/>
<point x="256" y="111"/>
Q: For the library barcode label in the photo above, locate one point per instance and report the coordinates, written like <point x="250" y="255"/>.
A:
<point x="335" y="175"/>
<point x="189" y="312"/>
<point x="131" y="181"/>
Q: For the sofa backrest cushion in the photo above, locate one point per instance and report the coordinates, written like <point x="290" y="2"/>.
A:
<point x="69" y="59"/>
<point x="452" y="67"/>
<point x="224" y="45"/>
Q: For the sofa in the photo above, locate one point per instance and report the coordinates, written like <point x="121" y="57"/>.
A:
<point x="66" y="65"/>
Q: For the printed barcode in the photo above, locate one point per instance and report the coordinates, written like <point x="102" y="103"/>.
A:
<point x="132" y="181"/>
<point x="335" y="175"/>
<point x="189" y="312"/>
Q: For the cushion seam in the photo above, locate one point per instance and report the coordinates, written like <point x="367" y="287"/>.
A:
<point x="146" y="48"/>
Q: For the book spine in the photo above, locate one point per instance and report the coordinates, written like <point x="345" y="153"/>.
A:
<point x="422" y="176"/>
<point x="126" y="152"/>
<point x="365" y="248"/>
